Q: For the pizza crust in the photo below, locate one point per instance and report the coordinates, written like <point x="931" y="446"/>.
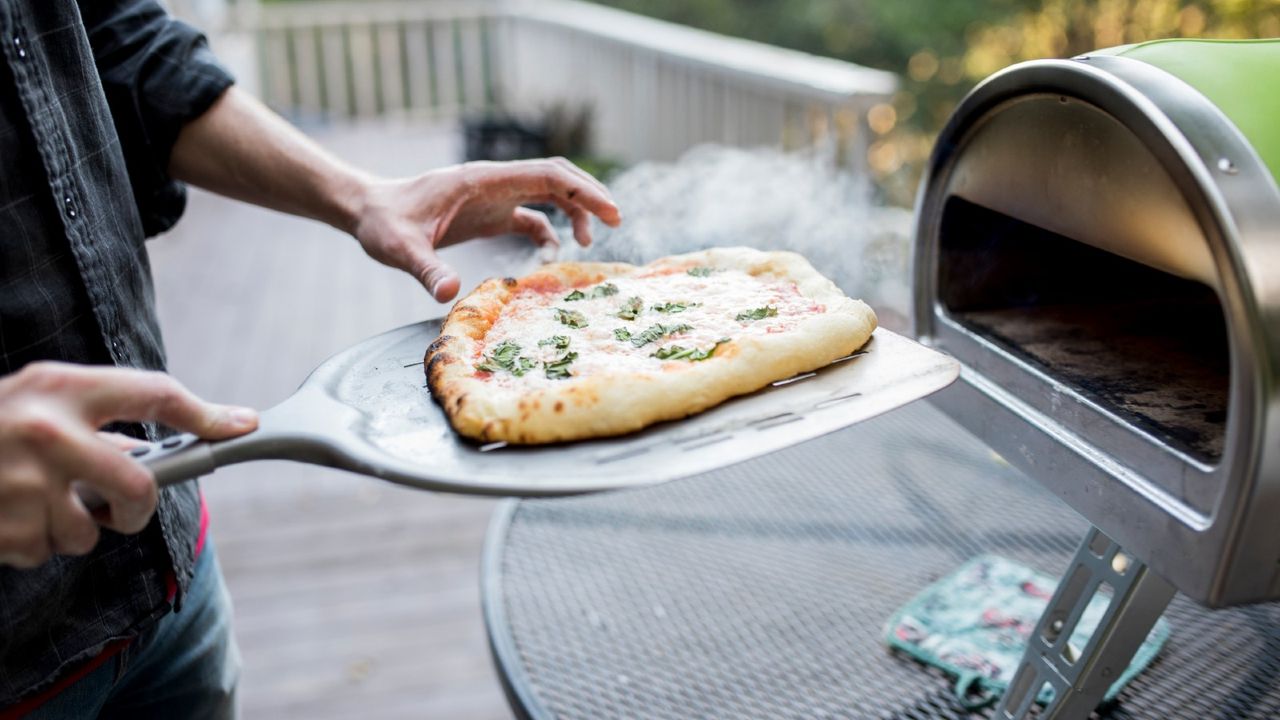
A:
<point x="605" y="405"/>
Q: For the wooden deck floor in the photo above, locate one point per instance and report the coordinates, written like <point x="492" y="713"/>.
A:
<point x="353" y="597"/>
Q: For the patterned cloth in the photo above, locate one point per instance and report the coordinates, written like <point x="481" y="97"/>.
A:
<point x="975" y="622"/>
<point x="92" y="96"/>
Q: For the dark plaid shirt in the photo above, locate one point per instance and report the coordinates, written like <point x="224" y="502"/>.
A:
<point x="92" y="96"/>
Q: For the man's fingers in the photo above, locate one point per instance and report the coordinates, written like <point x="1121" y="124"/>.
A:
<point x="438" y="278"/>
<point x="24" y="520"/>
<point x="583" y="203"/>
<point x="108" y="394"/>
<point x="580" y="218"/>
<point x="127" y="486"/>
<point x="581" y="226"/>
<point x="119" y="441"/>
<point x="72" y="530"/>
<point x="30" y="551"/>
<point x="569" y="185"/>
<point x="583" y="174"/>
<point x="536" y="225"/>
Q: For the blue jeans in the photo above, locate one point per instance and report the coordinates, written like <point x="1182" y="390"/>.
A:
<point x="185" y="666"/>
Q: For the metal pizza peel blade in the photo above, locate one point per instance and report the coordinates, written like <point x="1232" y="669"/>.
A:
<point x="367" y="410"/>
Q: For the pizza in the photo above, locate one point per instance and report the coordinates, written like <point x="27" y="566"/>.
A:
<point x="581" y="350"/>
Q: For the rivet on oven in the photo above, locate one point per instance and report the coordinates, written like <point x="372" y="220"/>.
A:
<point x="1226" y="166"/>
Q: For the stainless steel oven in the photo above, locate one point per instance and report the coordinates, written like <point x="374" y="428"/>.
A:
<point x="1098" y="243"/>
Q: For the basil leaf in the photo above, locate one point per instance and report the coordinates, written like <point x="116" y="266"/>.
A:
<point x="572" y="318"/>
<point x="622" y="334"/>
<point x="597" y="292"/>
<point x="673" y="307"/>
<point x="505" y="352"/>
<point x="671" y="352"/>
<point x="506" y="356"/>
<point x="759" y="313"/>
<point x="559" y="370"/>
<point x="631" y="308"/>
<point x="700" y="271"/>
<point x="675" y="352"/>
<point x="656" y="332"/>
<point x="559" y="342"/>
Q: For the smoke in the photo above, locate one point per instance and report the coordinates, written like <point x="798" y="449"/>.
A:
<point x="715" y="196"/>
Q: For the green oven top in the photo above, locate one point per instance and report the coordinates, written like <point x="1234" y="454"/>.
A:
<point x="1241" y="77"/>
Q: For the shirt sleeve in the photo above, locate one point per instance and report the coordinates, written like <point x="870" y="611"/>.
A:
<point x="158" y="74"/>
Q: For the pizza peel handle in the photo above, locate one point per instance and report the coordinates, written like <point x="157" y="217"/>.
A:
<point x="301" y="428"/>
<point x="173" y="460"/>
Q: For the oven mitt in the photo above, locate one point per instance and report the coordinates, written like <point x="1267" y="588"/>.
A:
<point x="974" y="625"/>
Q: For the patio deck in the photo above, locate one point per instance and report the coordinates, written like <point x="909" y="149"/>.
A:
<point x="353" y="597"/>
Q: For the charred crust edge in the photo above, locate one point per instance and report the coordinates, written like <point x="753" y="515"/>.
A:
<point x="435" y="347"/>
<point x="436" y="359"/>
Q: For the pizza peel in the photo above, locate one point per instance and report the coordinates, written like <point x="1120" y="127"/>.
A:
<point x="367" y="410"/>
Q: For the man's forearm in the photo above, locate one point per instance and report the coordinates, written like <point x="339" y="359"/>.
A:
<point x="240" y="149"/>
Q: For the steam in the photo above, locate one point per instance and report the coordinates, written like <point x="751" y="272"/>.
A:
<point x="767" y="199"/>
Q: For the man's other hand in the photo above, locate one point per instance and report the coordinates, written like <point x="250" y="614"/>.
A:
<point x="50" y="414"/>
<point x="402" y="222"/>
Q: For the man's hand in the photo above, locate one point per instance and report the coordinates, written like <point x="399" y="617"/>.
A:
<point x="49" y="417"/>
<point x="402" y="222"/>
<point x="240" y="149"/>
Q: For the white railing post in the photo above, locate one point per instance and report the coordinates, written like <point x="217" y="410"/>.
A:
<point x="417" y="45"/>
<point x="391" y="76"/>
<point x="333" y="48"/>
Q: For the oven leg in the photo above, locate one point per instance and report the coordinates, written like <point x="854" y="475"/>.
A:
<point x="1138" y="599"/>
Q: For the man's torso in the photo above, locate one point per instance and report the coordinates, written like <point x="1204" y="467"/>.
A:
<point x="75" y="286"/>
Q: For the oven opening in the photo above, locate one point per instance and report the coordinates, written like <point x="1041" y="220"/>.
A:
<point x="1149" y="346"/>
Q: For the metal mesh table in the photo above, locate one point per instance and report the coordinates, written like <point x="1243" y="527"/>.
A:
<point x="761" y="591"/>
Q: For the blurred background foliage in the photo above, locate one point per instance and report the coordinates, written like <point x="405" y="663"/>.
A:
<point x="941" y="48"/>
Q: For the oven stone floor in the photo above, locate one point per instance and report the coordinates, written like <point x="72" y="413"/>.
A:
<point x="353" y="597"/>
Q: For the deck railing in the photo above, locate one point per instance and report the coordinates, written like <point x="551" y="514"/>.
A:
<point x="653" y="88"/>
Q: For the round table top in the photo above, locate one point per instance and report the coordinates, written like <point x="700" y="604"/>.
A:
<point x="762" y="590"/>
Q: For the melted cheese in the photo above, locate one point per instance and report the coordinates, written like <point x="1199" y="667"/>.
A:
<point x="719" y="297"/>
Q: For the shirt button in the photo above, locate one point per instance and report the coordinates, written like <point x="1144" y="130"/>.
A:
<point x="70" y="210"/>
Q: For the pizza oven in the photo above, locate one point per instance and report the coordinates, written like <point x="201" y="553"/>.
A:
<point x="1098" y="243"/>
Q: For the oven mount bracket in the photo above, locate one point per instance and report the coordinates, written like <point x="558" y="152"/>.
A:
<point x="1139" y="597"/>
